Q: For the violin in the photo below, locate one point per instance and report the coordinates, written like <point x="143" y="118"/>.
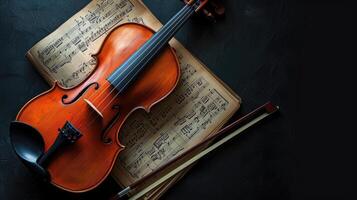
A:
<point x="70" y="136"/>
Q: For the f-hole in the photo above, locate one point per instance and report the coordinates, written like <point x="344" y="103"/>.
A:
<point x="64" y="97"/>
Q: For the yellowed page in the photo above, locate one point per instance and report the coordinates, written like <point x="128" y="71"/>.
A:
<point x="193" y="111"/>
<point x="198" y="107"/>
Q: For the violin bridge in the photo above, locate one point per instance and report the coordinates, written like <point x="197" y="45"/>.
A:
<point x="94" y="108"/>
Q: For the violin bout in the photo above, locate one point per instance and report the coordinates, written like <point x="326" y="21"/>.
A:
<point x="88" y="118"/>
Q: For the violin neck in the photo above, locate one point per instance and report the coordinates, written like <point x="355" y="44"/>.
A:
<point x="124" y="75"/>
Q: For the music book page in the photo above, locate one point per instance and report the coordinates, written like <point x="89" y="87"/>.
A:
<point x="198" y="107"/>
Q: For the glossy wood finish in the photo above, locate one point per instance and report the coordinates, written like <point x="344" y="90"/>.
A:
<point x="85" y="164"/>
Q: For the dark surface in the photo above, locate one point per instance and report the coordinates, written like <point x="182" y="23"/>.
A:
<point x="257" y="51"/>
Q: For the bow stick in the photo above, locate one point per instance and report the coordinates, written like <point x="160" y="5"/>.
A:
<point x="232" y="129"/>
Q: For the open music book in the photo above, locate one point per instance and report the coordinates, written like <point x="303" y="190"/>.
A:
<point x="198" y="107"/>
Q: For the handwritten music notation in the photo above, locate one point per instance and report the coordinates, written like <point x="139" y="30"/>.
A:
<point x="152" y="139"/>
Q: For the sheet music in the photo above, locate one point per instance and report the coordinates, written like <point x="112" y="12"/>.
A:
<point x="198" y="107"/>
<point x="180" y="120"/>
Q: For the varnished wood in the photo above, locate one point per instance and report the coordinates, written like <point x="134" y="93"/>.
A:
<point x="85" y="164"/>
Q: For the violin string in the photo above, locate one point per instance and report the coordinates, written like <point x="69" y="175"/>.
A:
<point x="139" y="57"/>
<point x="108" y="86"/>
<point x="145" y="57"/>
<point x="184" y="17"/>
<point x="153" y="49"/>
<point x="170" y="29"/>
<point x="182" y="20"/>
<point x="190" y="6"/>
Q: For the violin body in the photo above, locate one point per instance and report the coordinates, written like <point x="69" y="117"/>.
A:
<point x="97" y="111"/>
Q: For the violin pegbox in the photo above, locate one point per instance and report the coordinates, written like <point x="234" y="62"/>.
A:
<point x="211" y="9"/>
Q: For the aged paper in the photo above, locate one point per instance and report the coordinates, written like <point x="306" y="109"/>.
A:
<point x="198" y="107"/>
<point x="195" y="109"/>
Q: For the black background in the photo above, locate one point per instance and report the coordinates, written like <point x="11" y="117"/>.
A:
<point x="296" y="54"/>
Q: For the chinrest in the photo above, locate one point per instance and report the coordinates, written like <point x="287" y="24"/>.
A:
<point x="29" y="146"/>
